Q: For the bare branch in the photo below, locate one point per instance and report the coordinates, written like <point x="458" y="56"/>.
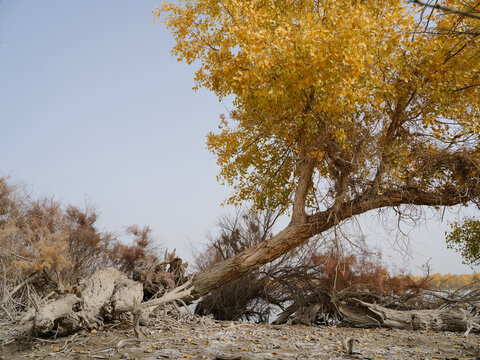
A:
<point x="471" y="14"/>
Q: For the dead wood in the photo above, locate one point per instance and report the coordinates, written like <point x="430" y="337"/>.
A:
<point x="285" y="314"/>
<point x="307" y="315"/>
<point x="363" y="314"/>
<point x="104" y="295"/>
<point x="109" y="292"/>
<point x="158" y="277"/>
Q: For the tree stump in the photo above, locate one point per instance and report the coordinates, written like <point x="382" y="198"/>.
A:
<point x="105" y="294"/>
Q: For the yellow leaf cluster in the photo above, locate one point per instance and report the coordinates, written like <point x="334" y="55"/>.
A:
<point x="326" y="79"/>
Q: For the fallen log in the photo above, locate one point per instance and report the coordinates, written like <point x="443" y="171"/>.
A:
<point x="363" y="314"/>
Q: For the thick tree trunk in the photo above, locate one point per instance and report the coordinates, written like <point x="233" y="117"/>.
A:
<point x="362" y="314"/>
<point x="302" y="227"/>
<point x="109" y="291"/>
<point x="296" y="233"/>
<point x="233" y="268"/>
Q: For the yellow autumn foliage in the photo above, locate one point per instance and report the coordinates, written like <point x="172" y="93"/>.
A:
<point x="369" y="89"/>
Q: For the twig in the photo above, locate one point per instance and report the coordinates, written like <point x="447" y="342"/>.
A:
<point x="125" y="342"/>
<point x="91" y="353"/>
<point x="24" y="282"/>
<point x="8" y="313"/>
<point x="99" y="357"/>
<point x="8" y="342"/>
<point x="136" y="324"/>
<point x="69" y="340"/>
<point x="446" y="9"/>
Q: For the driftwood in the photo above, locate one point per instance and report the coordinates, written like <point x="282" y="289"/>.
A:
<point x="305" y="311"/>
<point x="283" y="317"/>
<point x="363" y="314"/>
<point x="105" y="295"/>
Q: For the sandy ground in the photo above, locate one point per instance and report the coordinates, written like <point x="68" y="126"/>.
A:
<point x="208" y="339"/>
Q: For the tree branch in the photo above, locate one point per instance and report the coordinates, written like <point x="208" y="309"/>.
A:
<point x="305" y="179"/>
<point x="401" y="196"/>
<point x="446" y="9"/>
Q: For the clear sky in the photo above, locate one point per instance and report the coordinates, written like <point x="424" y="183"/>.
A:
<point x="94" y="108"/>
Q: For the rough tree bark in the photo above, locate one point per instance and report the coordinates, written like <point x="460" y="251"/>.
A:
<point x="300" y="229"/>
<point x="363" y="314"/>
<point x="113" y="289"/>
<point x="105" y="294"/>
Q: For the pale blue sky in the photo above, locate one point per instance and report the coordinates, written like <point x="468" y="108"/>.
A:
<point x="92" y="105"/>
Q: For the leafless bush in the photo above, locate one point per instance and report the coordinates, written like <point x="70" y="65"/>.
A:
<point x="124" y="257"/>
<point x="242" y="298"/>
<point x="303" y="283"/>
<point x="46" y="247"/>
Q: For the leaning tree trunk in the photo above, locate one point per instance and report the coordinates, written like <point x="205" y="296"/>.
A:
<point x="233" y="268"/>
<point x="363" y="314"/>
<point x="301" y="228"/>
<point x="109" y="291"/>
<point x="113" y="292"/>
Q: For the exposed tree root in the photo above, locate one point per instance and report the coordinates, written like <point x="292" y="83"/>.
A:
<point x="104" y="295"/>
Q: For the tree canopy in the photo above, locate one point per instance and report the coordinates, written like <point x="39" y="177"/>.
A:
<point x="464" y="238"/>
<point x="337" y="104"/>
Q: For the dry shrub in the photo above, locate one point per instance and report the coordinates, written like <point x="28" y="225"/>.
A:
<point x="87" y="247"/>
<point x="124" y="257"/>
<point x="242" y="298"/>
<point x="363" y="276"/>
<point x="239" y="299"/>
<point x="316" y="273"/>
<point x="359" y="272"/>
<point x="45" y="246"/>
